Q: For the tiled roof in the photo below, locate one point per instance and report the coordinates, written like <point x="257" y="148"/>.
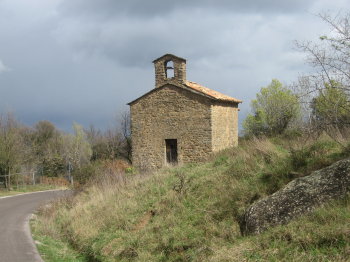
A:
<point x="195" y="88"/>
<point x="211" y="93"/>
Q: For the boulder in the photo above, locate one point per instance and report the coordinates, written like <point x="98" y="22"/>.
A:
<point x="298" y="197"/>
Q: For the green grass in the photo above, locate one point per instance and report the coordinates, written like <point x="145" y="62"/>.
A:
<point x="52" y="249"/>
<point x="26" y="189"/>
<point x="192" y="213"/>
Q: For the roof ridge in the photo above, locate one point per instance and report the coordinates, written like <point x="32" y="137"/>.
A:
<point x="195" y="88"/>
<point x="169" y="55"/>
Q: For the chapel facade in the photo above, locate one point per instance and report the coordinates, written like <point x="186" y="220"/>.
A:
<point x="180" y="121"/>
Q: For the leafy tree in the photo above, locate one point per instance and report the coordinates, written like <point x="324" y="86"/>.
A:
<point x="11" y="147"/>
<point x="331" y="107"/>
<point x="274" y="108"/>
<point x="44" y="132"/>
<point x="53" y="166"/>
<point x="256" y="124"/>
<point x="47" y="143"/>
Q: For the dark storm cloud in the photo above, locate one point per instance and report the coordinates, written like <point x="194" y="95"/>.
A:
<point x="163" y="7"/>
<point x="134" y="32"/>
<point x="83" y="60"/>
<point x="136" y="43"/>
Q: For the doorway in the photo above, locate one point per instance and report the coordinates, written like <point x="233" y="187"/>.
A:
<point x="171" y="151"/>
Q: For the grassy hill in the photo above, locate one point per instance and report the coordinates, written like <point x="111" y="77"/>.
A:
<point x="192" y="213"/>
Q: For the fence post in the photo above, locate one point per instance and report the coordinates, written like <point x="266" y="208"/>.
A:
<point x="6" y="182"/>
<point x="9" y="181"/>
<point x="33" y="178"/>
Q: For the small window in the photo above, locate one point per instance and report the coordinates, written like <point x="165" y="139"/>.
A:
<point x="169" y="69"/>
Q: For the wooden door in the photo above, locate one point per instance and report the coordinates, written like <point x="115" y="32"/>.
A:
<point x="171" y="151"/>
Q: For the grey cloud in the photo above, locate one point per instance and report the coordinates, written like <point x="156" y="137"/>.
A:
<point x="132" y="33"/>
<point x="88" y="58"/>
<point x="137" y="42"/>
<point x="112" y="8"/>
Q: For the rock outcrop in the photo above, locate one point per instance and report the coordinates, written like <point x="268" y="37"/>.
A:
<point x="298" y="197"/>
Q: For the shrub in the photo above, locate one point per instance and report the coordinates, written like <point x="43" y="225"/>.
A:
<point x="274" y="108"/>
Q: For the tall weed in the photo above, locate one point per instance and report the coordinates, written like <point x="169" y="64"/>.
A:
<point x="191" y="213"/>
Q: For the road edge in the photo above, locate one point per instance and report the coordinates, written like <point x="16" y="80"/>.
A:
<point x="27" y="193"/>
<point x="28" y="232"/>
<point x="28" y="229"/>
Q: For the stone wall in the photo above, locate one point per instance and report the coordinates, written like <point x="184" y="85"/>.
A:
<point x="170" y="113"/>
<point x="224" y="125"/>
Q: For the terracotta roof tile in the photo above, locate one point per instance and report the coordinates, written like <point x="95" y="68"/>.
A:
<point x="211" y="93"/>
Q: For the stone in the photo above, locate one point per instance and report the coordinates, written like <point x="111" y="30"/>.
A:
<point x="180" y="118"/>
<point x="297" y="198"/>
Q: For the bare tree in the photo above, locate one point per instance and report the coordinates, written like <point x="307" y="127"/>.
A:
<point x="330" y="57"/>
<point x="78" y="149"/>
<point x="126" y="131"/>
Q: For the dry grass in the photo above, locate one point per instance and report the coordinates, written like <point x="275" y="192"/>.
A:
<point x="191" y="213"/>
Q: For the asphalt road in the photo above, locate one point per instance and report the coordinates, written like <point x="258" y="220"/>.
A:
<point x="16" y="243"/>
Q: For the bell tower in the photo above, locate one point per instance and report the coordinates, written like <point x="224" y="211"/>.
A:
<point x="170" y="69"/>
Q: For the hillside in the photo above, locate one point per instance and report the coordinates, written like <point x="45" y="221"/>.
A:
<point x="192" y="213"/>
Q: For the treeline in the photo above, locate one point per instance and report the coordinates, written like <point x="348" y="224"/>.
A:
<point x="49" y="152"/>
<point x="316" y="102"/>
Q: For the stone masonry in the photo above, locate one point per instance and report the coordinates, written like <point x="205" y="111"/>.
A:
<point x="200" y="121"/>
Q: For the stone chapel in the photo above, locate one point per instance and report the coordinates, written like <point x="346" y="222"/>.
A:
<point x="180" y="121"/>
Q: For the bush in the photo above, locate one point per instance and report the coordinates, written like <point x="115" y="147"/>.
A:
<point x="274" y="108"/>
<point x="87" y="172"/>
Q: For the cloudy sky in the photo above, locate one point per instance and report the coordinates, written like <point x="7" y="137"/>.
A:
<point x="83" y="60"/>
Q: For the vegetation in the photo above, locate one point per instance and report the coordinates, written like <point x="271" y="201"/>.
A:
<point x="47" y="152"/>
<point x="11" y="154"/>
<point x="274" y="109"/>
<point x="323" y="94"/>
<point x="331" y="107"/>
<point x="319" y="236"/>
<point x="51" y="249"/>
<point x="192" y="213"/>
<point x="330" y="55"/>
<point x="330" y="80"/>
